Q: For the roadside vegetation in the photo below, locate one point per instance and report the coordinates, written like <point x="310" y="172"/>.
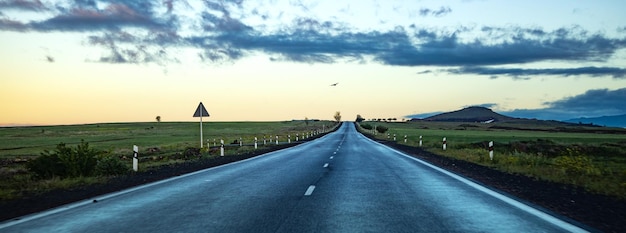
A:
<point x="36" y="160"/>
<point x="593" y="158"/>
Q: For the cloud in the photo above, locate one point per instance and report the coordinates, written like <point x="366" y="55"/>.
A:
<point x="220" y="30"/>
<point x="618" y="73"/>
<point x="593" y="103"/>
<point x="442" y="11"/>
<point x="26" y="5"/>
<point x="112" y="17"/>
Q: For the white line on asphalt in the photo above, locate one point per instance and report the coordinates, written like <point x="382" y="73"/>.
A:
<point x="331" y="157"/>
<point x="540" y="214"/>
<point x="309" y="191"/>
<point x="326" y="165"/>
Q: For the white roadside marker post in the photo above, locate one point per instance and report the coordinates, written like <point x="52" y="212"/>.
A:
<point x="213" y="141"/>
<point x="405" y="138"/>
<point x="222" y="147"/>
<point x="135" y="158"/>
<point x="240" y="142"/>
<point x="296" y="137"/>
<point x="444" y="143"/>
<point x="276" y="139"/>
<point x="289" y="138"/>
<point x="491" y="150"/>
<point x="394" y="137"/>
<point x="420" y="140"/>
<point x="255" y="143"/>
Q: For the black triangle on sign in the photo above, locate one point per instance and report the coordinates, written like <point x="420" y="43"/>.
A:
<point x="201" y="111"/>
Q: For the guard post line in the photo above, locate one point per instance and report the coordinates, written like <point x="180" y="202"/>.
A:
<point x="135" y="158"/>
<point x="222" y="147"/>
<point x="491" y="150"/>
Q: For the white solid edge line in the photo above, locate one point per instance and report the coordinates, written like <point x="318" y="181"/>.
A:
<point x="540" y="214"/>
<point x="309" y="191"/>
<point x="33" y="216"/>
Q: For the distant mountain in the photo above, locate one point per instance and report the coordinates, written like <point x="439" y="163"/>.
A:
<point x="470" y="114"/>
<point x="614" y="121"/>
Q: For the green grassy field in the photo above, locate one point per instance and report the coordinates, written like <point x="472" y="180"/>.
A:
<point x="159" y="144"/>
<point x="120" y="137"/>
<point x="590" y="157"/>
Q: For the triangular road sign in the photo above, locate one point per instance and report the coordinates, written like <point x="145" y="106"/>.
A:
<point x="201" y="111"/>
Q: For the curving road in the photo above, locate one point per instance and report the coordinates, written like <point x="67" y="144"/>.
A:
<point x="342" y="182"/>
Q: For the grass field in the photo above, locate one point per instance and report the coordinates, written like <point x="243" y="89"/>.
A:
<point x="159" y="143"/>
<point x="120" y="137"/>
<point x="590" y="157"/>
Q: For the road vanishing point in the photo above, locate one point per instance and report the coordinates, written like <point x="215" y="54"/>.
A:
<point x="341" y="182"/>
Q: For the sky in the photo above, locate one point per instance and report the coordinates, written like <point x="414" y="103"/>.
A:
<point x="98" y="61"/>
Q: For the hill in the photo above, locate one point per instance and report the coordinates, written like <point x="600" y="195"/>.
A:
<point x="470" y="114"/>
<point x="613" y="121"/>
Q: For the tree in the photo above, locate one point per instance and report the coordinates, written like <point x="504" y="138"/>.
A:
<point x="359" y="118"/>
<point x="306" y="120"/>
<point x="158" y="118"/>
<point x="338" y="116"/>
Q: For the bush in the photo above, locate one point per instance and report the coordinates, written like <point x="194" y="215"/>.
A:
<point x="381" y="129"/>
<point x="193" y="152"/>
<point x="110" y="166"/>
<point x="46" y="166"/>
<point x="576" y="165"/>
<point x="65" y="162"/>
<point x="366" y="126"/>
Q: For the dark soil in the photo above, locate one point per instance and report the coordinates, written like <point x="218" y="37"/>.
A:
<point x="605" y="213"/>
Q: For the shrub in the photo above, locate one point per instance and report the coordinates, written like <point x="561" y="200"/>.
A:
<point x="65" y="161"/>
<point x="110" y="166"/>
<point x="576" y="165"/>
<point x="366" y="126"/>
<point x="46" y="166"/>
<point x="381" y="129"/>
<point x="80" y="161"/>
<point x="193" y="152"/>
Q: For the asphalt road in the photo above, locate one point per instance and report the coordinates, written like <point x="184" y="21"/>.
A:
<point x="342" y="182"/>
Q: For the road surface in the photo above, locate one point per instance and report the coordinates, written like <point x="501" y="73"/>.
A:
<point x="342" y="182"/>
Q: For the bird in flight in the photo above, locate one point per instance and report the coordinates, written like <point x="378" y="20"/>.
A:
<point x="334" y="84"/>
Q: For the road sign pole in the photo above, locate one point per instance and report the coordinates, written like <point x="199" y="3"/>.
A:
<point x="200" y="112"/>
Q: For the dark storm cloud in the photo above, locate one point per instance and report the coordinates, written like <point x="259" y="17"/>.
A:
<point x="224" y="36"/>
<point x="593" y="103"/>
<point x="35" y="5"/>
<point x="113" y="17"/>
<point x="618" y="73"/>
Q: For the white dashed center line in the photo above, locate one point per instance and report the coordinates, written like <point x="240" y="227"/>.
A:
<point x="326" y="165"/>
<point x="309" y="191"/>
<point x="331" y="157"/>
